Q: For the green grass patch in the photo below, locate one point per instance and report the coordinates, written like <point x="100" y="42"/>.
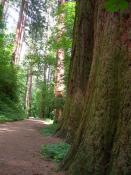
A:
<point x="55" y="152"/>
<point x="49" y="130"/>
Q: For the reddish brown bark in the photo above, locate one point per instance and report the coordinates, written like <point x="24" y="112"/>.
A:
<point x="59" y="82"/>
<point x="59" y="72"/>
<point x="103" y="140"/>
<point x="79" y="69"/>
<point x="19" y="33"/>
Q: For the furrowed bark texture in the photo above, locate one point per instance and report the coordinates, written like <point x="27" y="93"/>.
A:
<point x="19" y="33"/>
<point x="102" y="145"/>
<point x="79" y="69"/>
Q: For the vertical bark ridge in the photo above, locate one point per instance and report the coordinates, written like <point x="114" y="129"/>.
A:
<point x="79" y="68"/>
<point x="102" y="143"/>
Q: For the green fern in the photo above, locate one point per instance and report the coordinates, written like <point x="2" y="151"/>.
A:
<point x="56" y="152"/>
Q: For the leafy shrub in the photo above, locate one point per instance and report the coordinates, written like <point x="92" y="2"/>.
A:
<point x="10" y="111"/>
<point x="10" y="107"/>
<point x="43" y="100"/>
<point x="56" y="152"/>
<point x="8" y="82"/>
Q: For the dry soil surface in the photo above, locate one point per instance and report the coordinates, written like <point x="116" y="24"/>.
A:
<point x="20" y="144"/>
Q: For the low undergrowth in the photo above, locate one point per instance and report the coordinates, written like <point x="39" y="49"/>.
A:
<point x="9" y="111"/>
<point x="9" y="118"/>
<point x="49" y="130"/>
<point x="55" y="152"/>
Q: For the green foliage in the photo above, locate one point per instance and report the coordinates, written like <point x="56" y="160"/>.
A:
<point x="21" y="86"/>
<point x="50" y="59"/>
<point x="56" y="152"/>
<point x="65" y="40"/>
<point x="10" y="108"/>
<point x="1" y="15"/>
<point x="116" y="5"/>
<point x="69" y="10"/>
<point x="49" y="130"/>
<point x="43" y="100"/>
<point x="34" y="11"/>
<point x="35" y="107"/>
<point x="10" y="111"/>
<point x="6" y="49"/>
<point x="9" y="102"/>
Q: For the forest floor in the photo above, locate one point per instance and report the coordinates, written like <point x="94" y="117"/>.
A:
<point x="20" y="144"/>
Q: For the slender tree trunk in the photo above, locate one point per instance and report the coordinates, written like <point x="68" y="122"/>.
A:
<point x="28" y="98"/>
<point x="43" y="95"/>
<point x="103" y="140"/>
<point x="59" y="73"/>
<point x="2" y="2"/>
<point x="48" y="74"/>
<point x="59" y="82"/>
<point x="19" y="33"/>
<point x="2" y="21"/>
<point x="2" y="5"/>
<point x="44" y="90"/>
<point x="45" y="74"/>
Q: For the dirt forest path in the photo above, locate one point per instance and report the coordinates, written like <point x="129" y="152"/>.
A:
<point x="20" y="144"/>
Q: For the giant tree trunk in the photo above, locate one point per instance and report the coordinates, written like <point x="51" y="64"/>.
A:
<point x="103" y="140"/>
<point x="19" y="33"/>
<point x="79" y="69"/>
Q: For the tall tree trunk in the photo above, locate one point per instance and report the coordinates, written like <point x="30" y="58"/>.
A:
<point x="43" y="94"/>
<point x="5" y="8"/>
<point x="49" y="74"/>
<point x="45" y="73"/>
<point x="103" y="140"/>
<point x="59" y="82"/>
<point x="2" y="21"/>
<point x="59" y="73"/>
<point x="2" y="2"/>
<point x="79" y="69"/>
<point x="2" y="5"/>
<point x="19" y="33"/>
<point x="28" y="98"/>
